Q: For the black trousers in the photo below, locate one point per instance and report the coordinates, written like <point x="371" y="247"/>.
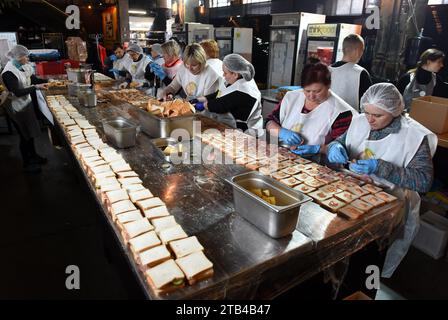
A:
<point x="26" y="146"/>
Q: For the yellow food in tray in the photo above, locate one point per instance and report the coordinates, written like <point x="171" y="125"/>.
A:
<point x="264" y="194"/>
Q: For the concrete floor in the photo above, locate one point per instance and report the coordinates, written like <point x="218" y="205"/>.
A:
<point x="50" y="221"/>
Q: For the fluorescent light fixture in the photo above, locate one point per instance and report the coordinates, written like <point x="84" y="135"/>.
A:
<point x="137" y="11"/>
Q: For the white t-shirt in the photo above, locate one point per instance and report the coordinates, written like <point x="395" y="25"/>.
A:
<point x="202" y="84"/>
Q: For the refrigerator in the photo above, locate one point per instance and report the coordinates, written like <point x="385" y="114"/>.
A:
<point x="234" y="40"/>
<point x="191" y="32"/>
<point x="287" y="47"/>
<point x="324" y="40"/>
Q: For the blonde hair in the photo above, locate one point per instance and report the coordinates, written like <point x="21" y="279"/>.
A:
<point x="211" y="48"/>
<point x="194" y="52"/>
<point x="171" y="48"/>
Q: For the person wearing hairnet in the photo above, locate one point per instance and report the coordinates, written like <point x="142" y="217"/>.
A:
<point x="21" y="83"/>
<point x="308" y="119"/>
<point x="138" y="70"/>
<point x="239" y="101"/>
<point x="195" y="77"/>
<point x="392" y="149"/>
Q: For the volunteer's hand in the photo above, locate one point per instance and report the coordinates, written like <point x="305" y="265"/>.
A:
<point x="158" y="70"/>
<point x="306" y="149"/>
<point x="290" y="137"/>
<point x="41" y="86"/>
<point x="202" y="99"/>
<point x="113" y="70"/>
<point x="168" y="97"/>
<point x="337" y="154"/>
<point x="113" y="58"/>
<point x="364" y="166"/>
<point x="123" y="85"/>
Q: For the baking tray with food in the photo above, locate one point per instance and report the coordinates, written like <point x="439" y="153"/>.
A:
<point x="159" y="119"/>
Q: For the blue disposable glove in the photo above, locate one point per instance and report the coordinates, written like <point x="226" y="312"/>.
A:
<point x="113" y="57"/>
<point x="337" y="154"/>
<point x="306" y="149"/>
<point x="115" y="71"/>
<point x="158" y="70"/>
<point x="199" y="106"/>
<point x="290" y="137"/>
<point x="364" y="166"/>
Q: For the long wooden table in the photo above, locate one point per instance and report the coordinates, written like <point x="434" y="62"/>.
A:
<point x="247" y="263"/>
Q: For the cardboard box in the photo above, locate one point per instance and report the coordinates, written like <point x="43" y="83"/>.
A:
<point x="432" y="112"/>
<point x="432" y="236"/>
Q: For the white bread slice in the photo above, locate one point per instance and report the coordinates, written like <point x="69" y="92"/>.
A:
<point x="154" y="256"/>
<point x="90" y="160"/>
<point x="136" y="228"/>
<point x="144" y="241"/>
<point x="171" y="234"/>
<point x="184" y="247"/>
<point x="97" y="163"/>
<point x="109" y="150"/>
<point x="116" y="195"/>
<point x="109" y="187"/>
<point x="156" y="212"/>
<point x="78" y="140"/>
<point x="149" y="203"/>
<point x="128" y="216"/>
<point x="100" y="169"/>
<point x="122" y="206"/>
<point x="140" y="195"/>
<point x="110" y="157"/>
<point x="118" y="162"/>
<point x="133" y="187"/>
<point x="101" y="182"/>
<point x="120" y="168"/>
<point x="128" y="181"/>
<point x="162" y="276"/>
<point x="104" y="175"/>
<point x="195" y="266"/>
<point x="127" y="174"/>
<point x="163" y="223"/>
<point x="79" y="147"/>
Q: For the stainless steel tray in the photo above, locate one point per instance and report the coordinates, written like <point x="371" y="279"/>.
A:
<point x="185" y="149"/>
<point x="157" y="127"/>
<point x="275" y="220"/>
<point x="120" y="132"/>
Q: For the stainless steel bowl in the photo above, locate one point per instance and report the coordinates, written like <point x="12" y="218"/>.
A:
<point x="277" y="220"/>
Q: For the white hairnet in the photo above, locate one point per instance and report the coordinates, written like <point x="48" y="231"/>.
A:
<point x="157" y="48"/>
<point x="384" y="96"/>
<point x="17" y="52"/>
<point x="135" y="47"/>
<point x="236" y="63"/>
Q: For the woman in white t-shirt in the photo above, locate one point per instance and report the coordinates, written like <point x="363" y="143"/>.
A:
<point x="194" y="77"/>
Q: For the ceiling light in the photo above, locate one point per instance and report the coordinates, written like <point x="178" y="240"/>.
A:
<point x="137" y="11"/>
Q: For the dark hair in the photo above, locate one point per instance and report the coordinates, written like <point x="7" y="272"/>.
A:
<point x="430" y="55"/>
<point x="116" y="46"/>
<point x="351" y="42"/>
<point x="315" y="73"/>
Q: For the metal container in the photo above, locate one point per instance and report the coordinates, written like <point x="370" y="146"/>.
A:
<point x="120" y="132"/>
<point x="79" y="75"/>
<point x="157" y="127"/>
<point x="184" y="149"/>
<point x="72" y="88"/>
<point x="275" y="220"/>
<point x="90" y="99"/>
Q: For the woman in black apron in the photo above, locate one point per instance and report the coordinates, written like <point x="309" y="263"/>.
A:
<point x="20" y="81"/>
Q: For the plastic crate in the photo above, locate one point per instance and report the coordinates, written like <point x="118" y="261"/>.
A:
<point x="53" y="67"/>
